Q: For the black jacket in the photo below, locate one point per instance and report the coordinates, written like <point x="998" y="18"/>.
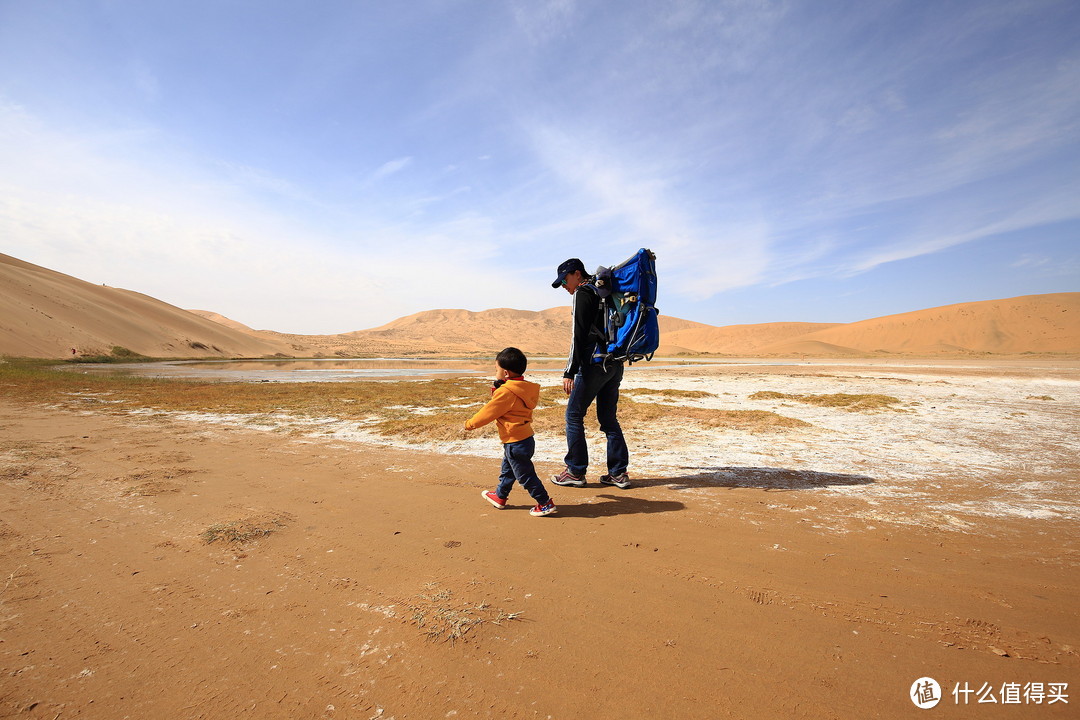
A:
<point x="588" y="328"/>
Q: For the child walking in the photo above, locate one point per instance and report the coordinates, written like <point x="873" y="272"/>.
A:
<point x="511" y="407"/>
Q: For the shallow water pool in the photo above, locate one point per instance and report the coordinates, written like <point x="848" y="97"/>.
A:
<point x="317" y="370"/>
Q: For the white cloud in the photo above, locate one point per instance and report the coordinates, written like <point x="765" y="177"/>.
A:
<point x="969" y="225"/>
<point x="392" y="167"/>
<point x="543" y="20"/>
<point x="256" y="179"/>
<point x="700" y="260"/>
<point x="1031" y="261"/>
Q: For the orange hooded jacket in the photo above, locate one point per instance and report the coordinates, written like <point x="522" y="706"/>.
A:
<point x="511" y="407"/>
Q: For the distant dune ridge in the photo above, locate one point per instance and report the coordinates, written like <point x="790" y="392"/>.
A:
<point x="222" y="320"/>
<point x="465" y="331"/>
<point x="735" y="339"/>
<point x="1031" y="323"/>
<point x="44" y="313"/>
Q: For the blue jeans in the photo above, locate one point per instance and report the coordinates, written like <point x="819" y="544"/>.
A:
<point x="518" y="465"/>
<point x="595" y="383"/>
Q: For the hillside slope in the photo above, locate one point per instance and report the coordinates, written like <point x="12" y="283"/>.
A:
<point x="739" y="339"/>
<point x="1027" y="324"/>
<point x="44" y="313"/>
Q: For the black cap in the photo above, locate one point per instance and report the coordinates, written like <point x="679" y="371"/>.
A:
<point x="566" y="268"/>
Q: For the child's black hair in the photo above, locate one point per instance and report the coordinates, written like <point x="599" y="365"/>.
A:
<point x="512" y="360"/>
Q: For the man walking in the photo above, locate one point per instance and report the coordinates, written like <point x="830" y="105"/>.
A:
<point x="585" y="381"/>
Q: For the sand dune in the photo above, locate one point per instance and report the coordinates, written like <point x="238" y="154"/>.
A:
<point x="738" y="339"/>
<point x="434" y="332"/>
<point x="1027" y="324"/>
<point x="227" y="322"/>
<point x="44" y="313"/>
<point x="544" y="332"/>
<point x="466" y="331"/>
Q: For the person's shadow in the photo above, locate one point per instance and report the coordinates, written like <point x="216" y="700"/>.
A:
<point x="761" y="478"/>
<point x="611" y="505"/>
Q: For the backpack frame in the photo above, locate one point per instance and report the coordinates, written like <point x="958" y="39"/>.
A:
<point x="627" y="295"/>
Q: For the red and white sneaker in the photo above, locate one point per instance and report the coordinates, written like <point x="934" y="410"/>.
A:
<point x="494" y="499"/>
<point x="545" y="509"/>
<point x="568" y="479"/>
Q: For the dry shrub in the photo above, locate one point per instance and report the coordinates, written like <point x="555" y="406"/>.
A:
<point x="837" y="400"/>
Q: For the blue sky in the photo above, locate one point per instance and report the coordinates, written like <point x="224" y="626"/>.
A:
<point x="327" y="167"/>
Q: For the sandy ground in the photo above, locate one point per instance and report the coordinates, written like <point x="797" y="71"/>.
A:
<point x="813" y="573"/>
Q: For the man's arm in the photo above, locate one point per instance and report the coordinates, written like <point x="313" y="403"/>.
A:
<point x="585" y="305"/>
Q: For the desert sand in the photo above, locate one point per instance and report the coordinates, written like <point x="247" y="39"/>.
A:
<point x="811" y="572"/>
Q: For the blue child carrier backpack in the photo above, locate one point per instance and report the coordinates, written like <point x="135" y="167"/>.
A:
<point x="628" y="300"/>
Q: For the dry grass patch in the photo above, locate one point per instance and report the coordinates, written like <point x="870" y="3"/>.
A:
<point x="262" y="402"/>
<point x="667" y="393"/>
<point x="837" y="400"/>
<point x="246" y="530"/>
<point x="41" y="466"/>
<point x="416" y="411"/>
<point x="152" y="488"/>
<point x="36" y="381"/>
<point x="440" y="617"/>
<point x="636" y="414"/>
<point x="752" y="420"/>
<point x="436" y="427"/>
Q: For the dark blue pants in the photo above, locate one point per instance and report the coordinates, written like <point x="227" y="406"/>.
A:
<point x="518" y="465"/>
<point x="596" y="383"/>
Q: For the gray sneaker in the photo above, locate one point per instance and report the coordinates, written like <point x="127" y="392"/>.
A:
<point x="619" y="481"/>
<point x="567" y="479"/>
